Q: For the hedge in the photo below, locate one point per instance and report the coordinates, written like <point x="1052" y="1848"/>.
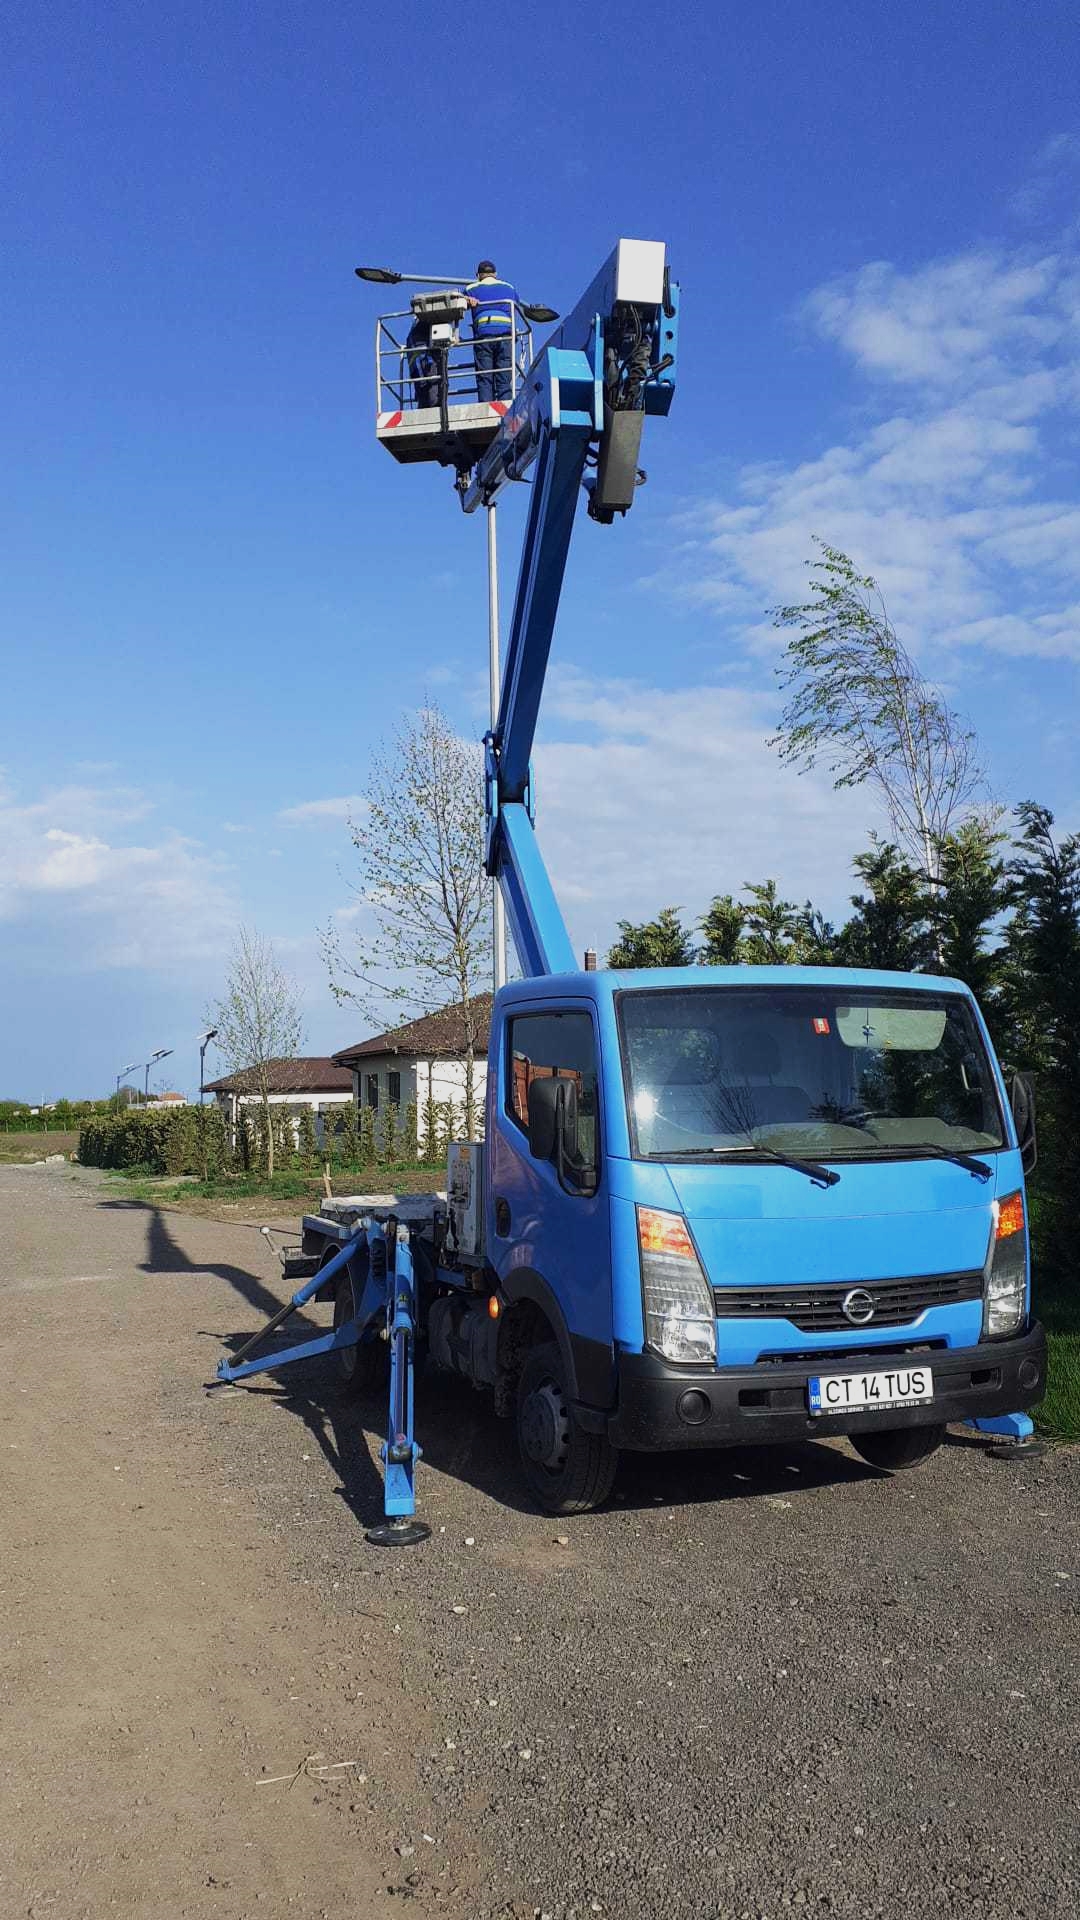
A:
<point x="181" y="1140"/>
<point x="195" y="1140"/>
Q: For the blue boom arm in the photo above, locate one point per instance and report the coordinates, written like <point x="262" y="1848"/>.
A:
<point x="582" y="405"/>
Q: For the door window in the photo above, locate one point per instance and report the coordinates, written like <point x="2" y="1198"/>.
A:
<point x="561" y="1046"/>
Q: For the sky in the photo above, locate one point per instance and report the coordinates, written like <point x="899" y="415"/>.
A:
<point x="217" y="592"/>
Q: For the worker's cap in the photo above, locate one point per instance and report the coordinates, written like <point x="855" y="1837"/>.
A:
<point x="486" y="266"/>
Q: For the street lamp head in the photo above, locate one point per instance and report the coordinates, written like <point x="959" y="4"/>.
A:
<point x="130" y="1068"/>
<point x="161" y="1054"/>
<point x="538" y="316"/>
<point x="205" y="1038"/>
<point x="383" y="276"/>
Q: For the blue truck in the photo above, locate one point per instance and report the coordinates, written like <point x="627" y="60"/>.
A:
<point x="712" y="1205"/>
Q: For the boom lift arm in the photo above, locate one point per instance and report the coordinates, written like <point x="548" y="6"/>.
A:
<point x="583" y="406"/>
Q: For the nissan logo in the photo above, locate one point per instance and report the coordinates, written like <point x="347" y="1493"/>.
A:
<point x="858" y="1307"/>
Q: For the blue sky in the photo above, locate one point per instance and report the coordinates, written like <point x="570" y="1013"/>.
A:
<point x="217" y="591"/>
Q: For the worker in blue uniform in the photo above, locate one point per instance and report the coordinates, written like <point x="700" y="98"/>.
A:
<point x="492" y="301"/>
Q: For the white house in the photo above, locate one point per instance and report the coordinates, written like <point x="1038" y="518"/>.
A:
<point x="317" y="1083"/>
<point x="424" y="1060"/>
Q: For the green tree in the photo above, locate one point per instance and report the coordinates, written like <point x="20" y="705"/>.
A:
<point x="857" y="702"/>
<point x="722" y="927"/>
<point x="890" y="925"/>
<point x="349" y="1133"/>
<point x="390" y="1135"/>
<point x="1043" y="947"/>
<point x="971" y="895"/>
<point x="663" y="942"/>
<point x="776" y="931"/>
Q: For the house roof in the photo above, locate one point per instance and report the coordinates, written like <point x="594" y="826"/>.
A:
<point x="437" y="1036"/>
<point x="315" y="1074"/>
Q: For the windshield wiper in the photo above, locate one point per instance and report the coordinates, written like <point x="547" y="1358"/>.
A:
<point x="813" y="1169"/>
<point x="924" y="1151"/>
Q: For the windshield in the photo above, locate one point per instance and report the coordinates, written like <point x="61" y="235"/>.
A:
<point x="828" y="1072"/>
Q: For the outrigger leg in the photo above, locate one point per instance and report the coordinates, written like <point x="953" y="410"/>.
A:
<point x="388" y="1298"/>
<point x="400" y="1452"/>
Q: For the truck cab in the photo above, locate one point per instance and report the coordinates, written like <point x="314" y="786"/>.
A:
<point x="740" y="1205"/>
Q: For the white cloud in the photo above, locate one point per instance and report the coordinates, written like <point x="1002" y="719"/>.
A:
<point x="951" y="321"/>
<point x="85" y="896"/>
<point x="311" y="812"/>
<point x="952" y="503"/>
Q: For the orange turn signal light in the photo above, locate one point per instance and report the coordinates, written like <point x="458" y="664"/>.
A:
<point x="1010" y="1216"/>
<point x="494" y="1308"/>
<point x="663" y="1233"/>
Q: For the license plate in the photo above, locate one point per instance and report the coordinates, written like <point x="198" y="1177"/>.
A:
<point x="848" y="1392"/>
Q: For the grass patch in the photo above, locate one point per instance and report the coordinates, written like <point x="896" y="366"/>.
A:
<point x="17" y="1148"/>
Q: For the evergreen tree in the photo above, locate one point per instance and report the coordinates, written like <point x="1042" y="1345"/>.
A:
<point x="973" y="892"/>
<point x="663" y="942"/>
<point x="775" y="928"/>
<point x="1043" y="942"/>
<point x="721" y="926"/>
<point x="890" y="926"/>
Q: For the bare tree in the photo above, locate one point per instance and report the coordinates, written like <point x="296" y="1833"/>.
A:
<point x="259" y="1020"/>
<point x="857" y="701"/>
<point x="420" y="842"/>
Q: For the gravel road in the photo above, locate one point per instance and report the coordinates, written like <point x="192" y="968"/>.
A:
<point x="757" y="1683"/>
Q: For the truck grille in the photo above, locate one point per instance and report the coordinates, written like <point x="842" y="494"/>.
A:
<point x="820" y="1309"/>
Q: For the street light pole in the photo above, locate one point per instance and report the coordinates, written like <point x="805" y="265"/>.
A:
<point x="162" y="1053"/>
<point x="130" y="1068"/>
<point x="498" y="910"/>
<point x="204" y="1042"/>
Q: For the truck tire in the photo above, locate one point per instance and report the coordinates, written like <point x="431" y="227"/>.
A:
<point x="568" y="1470"/>
<point x="361" y="1369"/>
<point x="898" y="1447"/>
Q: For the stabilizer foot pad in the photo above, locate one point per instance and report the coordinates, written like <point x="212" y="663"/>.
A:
<point x="1016" y="1450"/>
<point x="398" y="1533"/>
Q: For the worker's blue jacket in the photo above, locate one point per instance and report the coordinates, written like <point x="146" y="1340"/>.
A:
<point x="491" y="316"/>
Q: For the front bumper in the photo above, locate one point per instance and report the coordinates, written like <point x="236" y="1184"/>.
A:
<point x="750" y="1406"/>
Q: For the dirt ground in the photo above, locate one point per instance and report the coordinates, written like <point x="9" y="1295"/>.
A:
<point x="161" y="1663"/>
<point x="756" y="1683"/>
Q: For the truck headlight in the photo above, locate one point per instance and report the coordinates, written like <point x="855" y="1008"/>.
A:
<point x="680" y="1322"/>
<point x="1006" y="1275"/>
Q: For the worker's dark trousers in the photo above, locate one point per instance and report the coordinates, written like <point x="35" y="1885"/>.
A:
<point x="493" y="368"/>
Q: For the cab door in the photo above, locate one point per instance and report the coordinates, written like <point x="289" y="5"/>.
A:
<point x="547" y="1220"/>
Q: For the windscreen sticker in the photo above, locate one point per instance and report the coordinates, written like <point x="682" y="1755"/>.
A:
<point x="820" y="1025"/>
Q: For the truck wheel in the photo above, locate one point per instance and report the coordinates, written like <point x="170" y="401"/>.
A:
<point x="361" y="1369"/>
<point x="898" y="1447"/>
<point x="569" y="1470"/>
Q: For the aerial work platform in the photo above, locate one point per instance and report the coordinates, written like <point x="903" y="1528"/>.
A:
<point x="432" y="401"/>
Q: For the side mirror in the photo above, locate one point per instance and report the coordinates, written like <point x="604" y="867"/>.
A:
<point x="553" y="1133"/>
<point x="1022" y="1101"/>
